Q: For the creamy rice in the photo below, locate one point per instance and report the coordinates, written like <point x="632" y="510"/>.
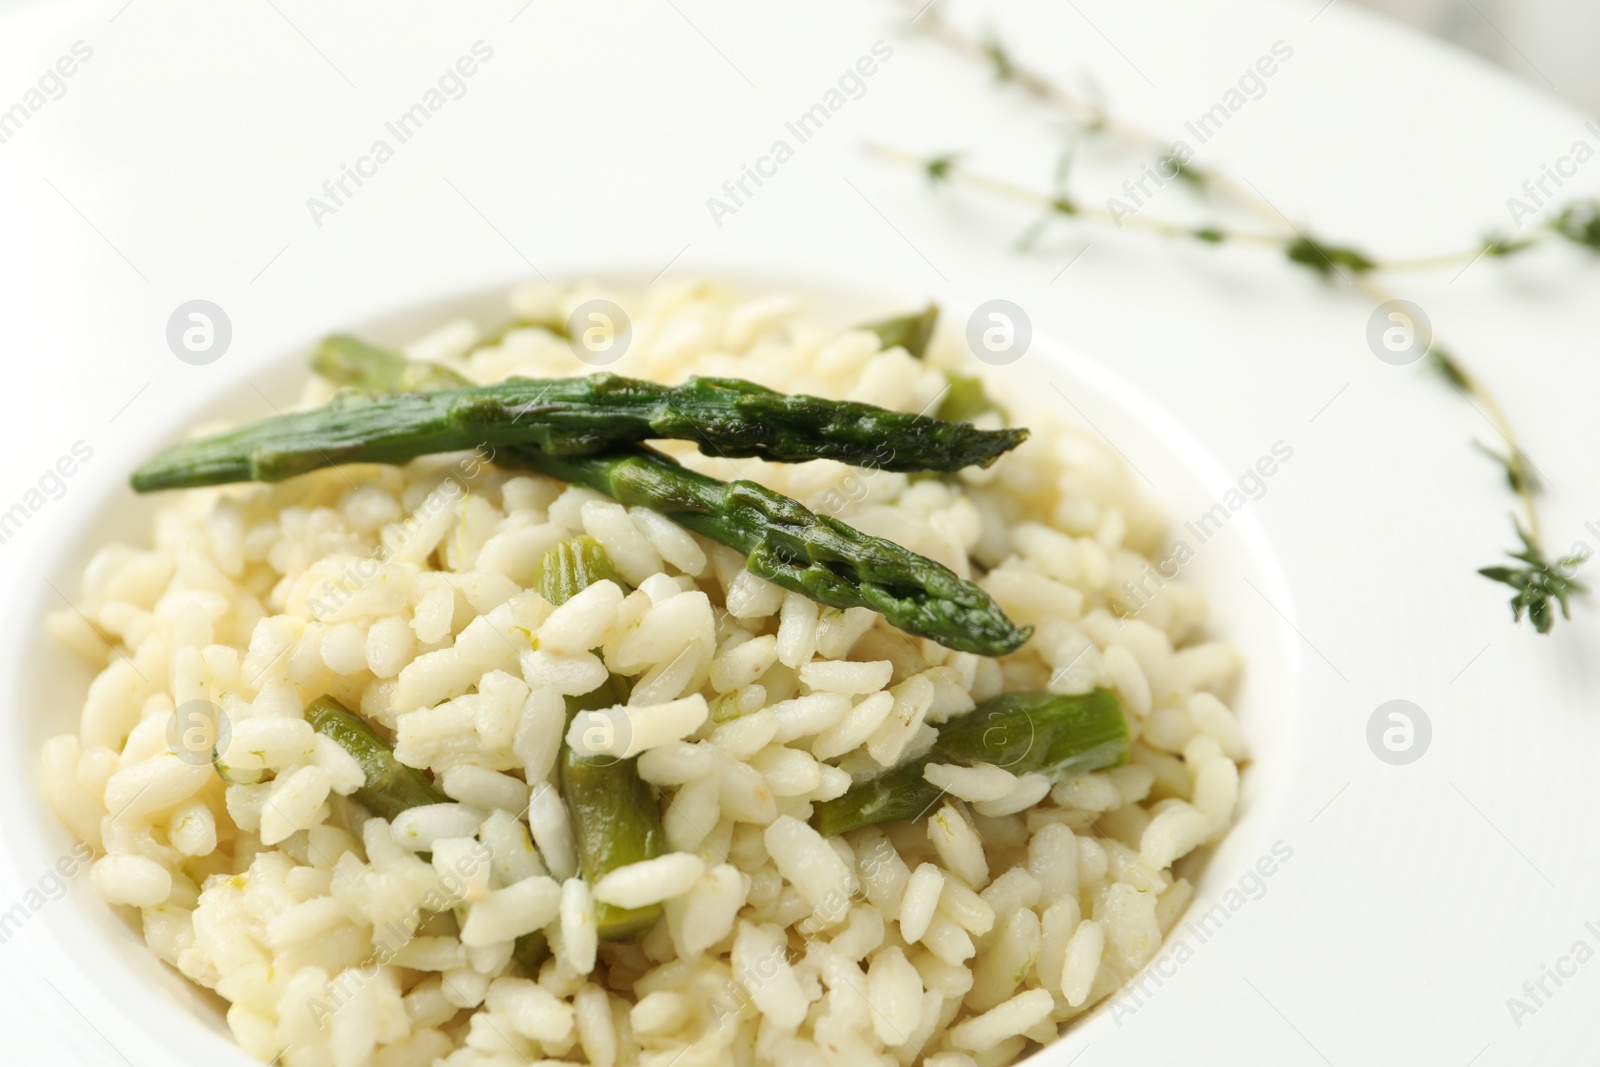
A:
<point x="966" y="938"/>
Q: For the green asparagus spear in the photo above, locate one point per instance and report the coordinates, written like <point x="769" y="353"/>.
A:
<point x="1022" y="732"/>
<point x="814" y="555"/>
<point x="391" y="786"/>
<point x="910" y="332"/>
<point x="616" y="815"/>
<point x="570" y="417"/>
<point x="786" y="544"/>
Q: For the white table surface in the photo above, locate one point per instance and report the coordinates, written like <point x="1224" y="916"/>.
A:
<point x="178" y="163"/>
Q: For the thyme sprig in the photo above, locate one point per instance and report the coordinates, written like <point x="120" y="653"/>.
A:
<point x="1579" y="223"/>
<point x="1320" y="257"/>
<point x="1539" y="581"/>
<point x="947" y="170"/>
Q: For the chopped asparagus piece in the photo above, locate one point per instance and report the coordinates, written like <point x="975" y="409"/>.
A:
<point x="910" y="332"/>
<point x="616" y="815"/>
<point x="391" y="786"/>
<point x="571" y="567"/>
<point x="342" y="358"/>
<point x="530" y="950"/>
<point x="554" y="326"/>
<point x="1022" y="732"/>
<point x="965" y="399"/>
<point x="348" y="360"/>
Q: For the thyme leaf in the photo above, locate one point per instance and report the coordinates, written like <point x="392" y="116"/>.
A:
<point x="1519" y="475"/>
<point x="1004" y="69"/>
<point x="1186" y="172"/>
<point x="1580" y="223"/>
<point x="1325" y="259"/>
<point x="937" y="168"/>
<point x="1448" y="369"/>
<point x="1500" y="246"/>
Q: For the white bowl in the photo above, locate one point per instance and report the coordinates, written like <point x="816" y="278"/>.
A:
<point x="96" y="953"/>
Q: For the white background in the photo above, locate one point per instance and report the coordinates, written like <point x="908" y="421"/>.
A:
<point x="179" y="162"/>
<point x="1549" y="43"/>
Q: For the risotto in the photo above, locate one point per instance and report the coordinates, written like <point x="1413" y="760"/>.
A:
<point x="324" y="761"/>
